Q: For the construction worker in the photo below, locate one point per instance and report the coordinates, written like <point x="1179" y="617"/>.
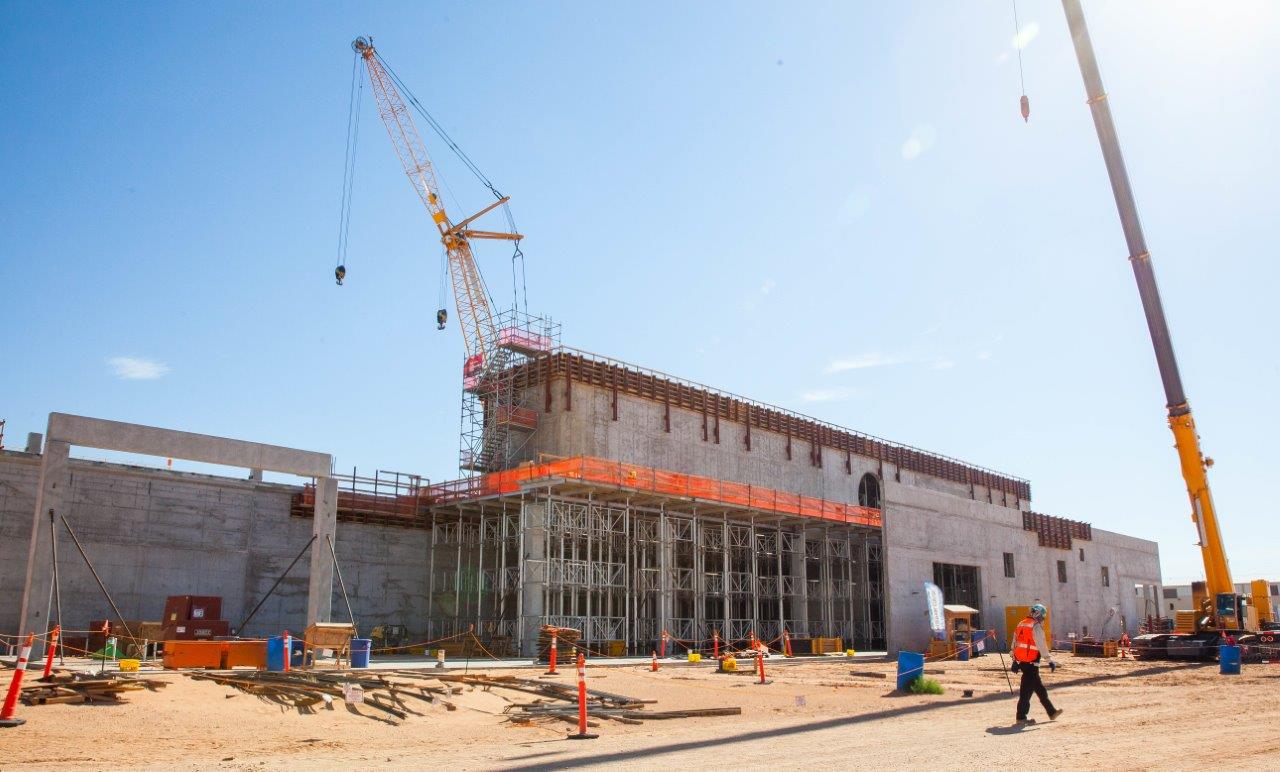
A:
<point x="1123" y="646"/>
<point x="1029" y="647"/>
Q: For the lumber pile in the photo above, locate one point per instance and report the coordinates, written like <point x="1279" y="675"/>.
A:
<point x="395" y="694"/>
<point x="74" y="688"/>
<point x="566" y="641"/>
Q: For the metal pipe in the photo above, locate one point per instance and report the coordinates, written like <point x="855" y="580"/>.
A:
<point x="334" y="554"/>
<point x="240" y="627"/>
<point x="97" y="578"/>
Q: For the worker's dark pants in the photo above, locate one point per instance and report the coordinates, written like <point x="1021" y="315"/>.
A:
<point x="1031" y="683"/>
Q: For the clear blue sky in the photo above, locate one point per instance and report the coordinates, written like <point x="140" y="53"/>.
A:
<point x="832" y="207"/>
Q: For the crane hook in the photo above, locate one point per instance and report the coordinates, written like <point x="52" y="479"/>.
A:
<point x="1026" y="108"/>
<point x="442" y="316"/>
<point x="340" y="273"/>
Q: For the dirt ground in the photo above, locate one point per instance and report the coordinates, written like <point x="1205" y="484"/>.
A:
<point x="1144" y="715"/>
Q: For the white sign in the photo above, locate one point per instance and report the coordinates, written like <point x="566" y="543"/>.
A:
<point x="937" y="622"/>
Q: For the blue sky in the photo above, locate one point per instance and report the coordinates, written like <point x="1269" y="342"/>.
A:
<point x="832" y="207"/>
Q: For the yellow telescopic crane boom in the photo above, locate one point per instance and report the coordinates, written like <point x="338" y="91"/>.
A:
<point x="475" y="315"/>
<point x="1186" y="440"/>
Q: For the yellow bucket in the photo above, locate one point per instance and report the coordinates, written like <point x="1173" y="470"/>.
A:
<point x="850" y="653"/>
<point x="129" y="665"/>
<point x="695" y="656"/>
<point x="729" y="665"/>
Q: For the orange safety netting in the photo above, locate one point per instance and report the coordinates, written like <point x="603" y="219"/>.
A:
<point x="650" y="480"/>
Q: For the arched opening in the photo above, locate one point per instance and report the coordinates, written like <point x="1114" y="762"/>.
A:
<point x="869" y="491"/>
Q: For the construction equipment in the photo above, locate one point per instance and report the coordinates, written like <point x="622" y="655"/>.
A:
<point x="388" y="636"/>
<point x="1223" y="610"/>
<point x="494" y="344"/>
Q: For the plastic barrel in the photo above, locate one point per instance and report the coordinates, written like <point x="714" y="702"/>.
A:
<point x="360" y="652"/>
<point x="962" y="651"/>
<point x="1229" y="660"/>
<point x="275" y="653"/>
<point x="910" y="667"/>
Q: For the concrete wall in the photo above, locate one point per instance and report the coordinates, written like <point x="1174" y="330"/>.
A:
<point x="927" y="519"/>
<point x="923" y="527"/>
<point x="152" y="533"/>
<point x="638" y="437"/>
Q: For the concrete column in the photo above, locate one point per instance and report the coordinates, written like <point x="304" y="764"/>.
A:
<point x="325" y="524"/>
<point x="55" y="482"/>
<point x="533" y="574"/>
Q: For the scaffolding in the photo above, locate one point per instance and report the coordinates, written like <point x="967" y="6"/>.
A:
<point x="623" y="553"/>
<point x="495" y="423"/>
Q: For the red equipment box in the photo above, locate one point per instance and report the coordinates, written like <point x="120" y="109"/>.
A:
<point x="196" y="629"/>
<point x="180" y="607"/>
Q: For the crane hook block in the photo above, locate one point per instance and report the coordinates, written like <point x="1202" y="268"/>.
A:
<point x="442" y="316"/>
<point x="1026" y="108"/>
<point x="340" y="273"/>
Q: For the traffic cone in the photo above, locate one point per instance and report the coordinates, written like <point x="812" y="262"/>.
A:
<point x="53" y="649"/>
<point x="760" y="667"/>
<point x="552" y="657"/>
<point x="715" y="644"/>
<point x="653" y="663"/>
<point x="786" y="643"/>
<point x="15" y="686"/>
<point x="582" y="702"/>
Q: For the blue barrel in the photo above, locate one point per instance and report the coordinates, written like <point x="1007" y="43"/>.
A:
<point x="360" y="652"/>
<point x="910" y="667"/>
<point x="962" y="651"/>
<point x="1229" y="660"/>
<point x="275" y="653"/>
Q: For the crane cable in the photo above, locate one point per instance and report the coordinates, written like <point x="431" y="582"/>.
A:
<point x="349" y="167"/>
<point x="518" y="290"/>
<point x="1024" y="102"/>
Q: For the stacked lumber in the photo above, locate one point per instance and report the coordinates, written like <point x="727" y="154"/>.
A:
<point x="74" y="688"/>
<point x="566" y="640"/>
<point x="391" y="692"/>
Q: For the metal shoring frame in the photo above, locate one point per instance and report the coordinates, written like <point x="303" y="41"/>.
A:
<point x="587" y="633"/>
<point x="431" y="579"/>
<point x="480" y="574"/>
<point x="699" y="582"/>
<point x="628" y="598"/>
<point x="457" y="576"/>
<point x="724" y="623"/>
<point x="782" y="621"/>
<point x="664" y="592"/>
<point x="755" y="578"/>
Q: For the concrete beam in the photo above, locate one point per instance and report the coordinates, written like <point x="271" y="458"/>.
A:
<point x="152" y="441"/>
<point x="67" y="430"/>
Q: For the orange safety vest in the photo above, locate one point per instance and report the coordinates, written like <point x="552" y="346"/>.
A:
<point x="1024" y="641"/>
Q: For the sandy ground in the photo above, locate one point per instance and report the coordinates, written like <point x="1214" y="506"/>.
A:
<point x="1118" y="714"/>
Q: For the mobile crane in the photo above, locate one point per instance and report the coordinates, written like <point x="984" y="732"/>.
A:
<point x="1222" y="611"/>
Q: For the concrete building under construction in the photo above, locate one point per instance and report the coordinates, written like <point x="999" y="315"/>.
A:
<point x="632" y="503"/>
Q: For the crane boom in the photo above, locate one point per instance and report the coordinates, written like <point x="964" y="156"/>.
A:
<point x="475" y="315"/>
<point x="1186" y="440"/>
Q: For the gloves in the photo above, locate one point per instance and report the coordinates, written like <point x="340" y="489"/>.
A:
<point x="1053" y="666"/>
<point x="1016" y="667"/>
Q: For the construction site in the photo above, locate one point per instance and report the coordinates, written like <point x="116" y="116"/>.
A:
<point x="669" y="544"/>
